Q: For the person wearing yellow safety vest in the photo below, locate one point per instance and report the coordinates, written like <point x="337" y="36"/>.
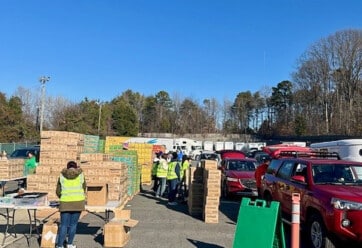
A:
<point x="184" y="167"/>
<point x="155" y="164"/>
<point x="71" y="189"/>
<point x="173" y="178"/>
<point x="161" y="174"/>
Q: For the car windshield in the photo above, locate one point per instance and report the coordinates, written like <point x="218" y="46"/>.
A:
<point x="337" y="173"/>
<point x="239" y="165"/>
<point x="209" y="156"/>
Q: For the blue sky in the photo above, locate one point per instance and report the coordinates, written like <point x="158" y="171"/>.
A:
<point x="190" y="48"/>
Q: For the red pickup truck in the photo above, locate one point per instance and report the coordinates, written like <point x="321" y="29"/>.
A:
<point x="330" y="195"/>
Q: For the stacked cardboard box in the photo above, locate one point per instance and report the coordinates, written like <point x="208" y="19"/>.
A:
<point x="212" y="186"/>
<point x="91" y="144"/>
<point x="145" y="154"/>
<point x="196" y="191"/>
<point x="130" y="158"/>
<point x="111" y="172"/>
<point x="114" y="143"/>
<point x="57" y="149"/>
<point x="11" y="168"/>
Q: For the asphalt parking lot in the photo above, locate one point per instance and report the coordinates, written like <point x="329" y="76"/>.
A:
<point x="160" y="226"/>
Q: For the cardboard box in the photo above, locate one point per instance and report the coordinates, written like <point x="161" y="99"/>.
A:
<point x="49" y="235"/>
<point x="122" y="214"/>
<point x="97" y="194"/>
<point x="117" y="231"/>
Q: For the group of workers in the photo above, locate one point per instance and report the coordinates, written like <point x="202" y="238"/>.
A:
<point x="169" y="171"/>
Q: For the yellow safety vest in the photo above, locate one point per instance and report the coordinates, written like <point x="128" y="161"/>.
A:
<point x="184" y="168"/>
<point x="155" y="168"/>
<point x="171" y="173"/>
<point x="161" y="172"/>
<point x="72" y="189"/>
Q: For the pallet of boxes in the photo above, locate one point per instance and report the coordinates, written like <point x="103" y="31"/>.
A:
<point x="204" y="191"/>
<point x="59" y="147"/>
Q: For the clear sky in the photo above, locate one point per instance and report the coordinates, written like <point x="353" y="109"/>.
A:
<point x="190" y="48"/>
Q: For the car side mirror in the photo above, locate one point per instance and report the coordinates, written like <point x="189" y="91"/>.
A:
<point x="299" y="178"/>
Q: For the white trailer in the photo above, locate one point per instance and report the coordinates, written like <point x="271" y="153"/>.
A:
<point x="229" y="145"/>
<point x="239" y="146"/>
<point x="348" y="149"/>
<point x="208" y="145"/>
<point x="219" y="145"/>
<point x="168" y="143"/>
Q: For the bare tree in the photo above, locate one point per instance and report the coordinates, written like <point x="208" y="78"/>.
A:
<point x="329" y="78"/>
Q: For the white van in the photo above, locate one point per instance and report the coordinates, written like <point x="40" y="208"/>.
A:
<point x="348" y="149"/>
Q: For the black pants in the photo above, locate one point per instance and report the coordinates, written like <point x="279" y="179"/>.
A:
<point x="155" y="183"/>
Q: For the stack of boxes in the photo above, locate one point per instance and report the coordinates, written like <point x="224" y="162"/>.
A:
<point x="91" y="144"/>
<point x="100" y="170"/>
<point x="196" y="191"/>
<point x="204" y="191"/>
<point x="12" y="168"/>
<point x="212" y="190"/>
<point x="57" y="149"/>
<point x="144" y="152"/>
<point x="130" y="159"/>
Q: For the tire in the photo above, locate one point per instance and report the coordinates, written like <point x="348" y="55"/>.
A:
<point x="225" y="192"/>
<point x="317" y="233"/>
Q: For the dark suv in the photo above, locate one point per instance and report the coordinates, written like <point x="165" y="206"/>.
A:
<point x="23" y="152"/>
<point x="330" y="195"/>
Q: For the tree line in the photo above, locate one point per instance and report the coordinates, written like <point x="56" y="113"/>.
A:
<point x="323" y="98"/>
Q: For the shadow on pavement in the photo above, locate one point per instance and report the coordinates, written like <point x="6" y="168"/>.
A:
<point x="180" y="207"/>
<point x="200" y="244"/>
<point x="230" y="208"/>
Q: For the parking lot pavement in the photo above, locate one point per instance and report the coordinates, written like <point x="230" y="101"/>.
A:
<point x="159" y="226"/>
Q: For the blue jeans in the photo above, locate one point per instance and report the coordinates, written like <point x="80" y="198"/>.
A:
<point x="161" y="186"/>
<point x="172" y="185"/>
<point x="68" y="225"/>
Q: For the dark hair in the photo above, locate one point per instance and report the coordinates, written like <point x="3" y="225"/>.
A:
<point x="72" y="164"/>
<point x="266" y="159"/>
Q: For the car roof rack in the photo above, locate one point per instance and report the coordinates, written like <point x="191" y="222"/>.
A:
<point x="312" y="154"/>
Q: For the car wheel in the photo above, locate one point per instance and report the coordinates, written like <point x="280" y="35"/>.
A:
<point x="225" y="191"/>
<point x="317" y="233"/>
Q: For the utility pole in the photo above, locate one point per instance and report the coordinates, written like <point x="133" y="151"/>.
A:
<point x="43" y="80"/>
<point x="99" y="115"/>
